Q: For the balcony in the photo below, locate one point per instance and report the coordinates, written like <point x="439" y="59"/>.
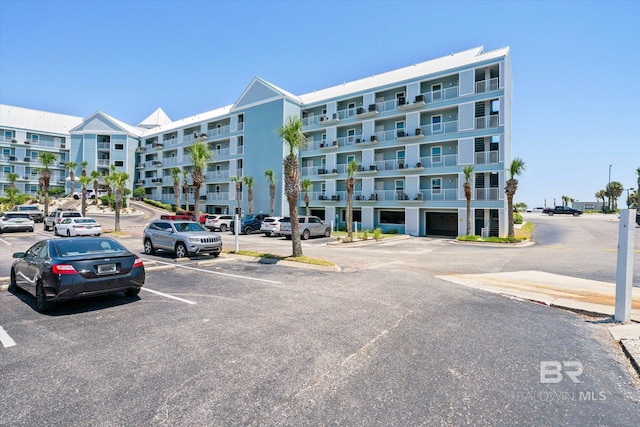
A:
<point x="216" y="132"/>
<point x="443" y="128"/>
<point x="486" y="122"/>
<point x="221" y="175"/>
<point x="104" y="146"/>
<point x="441" y="161"/>
<point x="487" y="85"/>
<point x="487" y="157"/>
<point x="157" y="145"/>
<point x="217" y="196"/>
<point x="103" y="162"/>
<point x="439" y="194"/>
<point x="140" y="149"/>
<point x="487" y="193"/>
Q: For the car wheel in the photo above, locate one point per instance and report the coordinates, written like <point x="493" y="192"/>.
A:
<point x="576" y="214"/>
<point x="148" y="247"/>
<point x="550" y="213"/>
<point x="132" y="292"/>
<point x="267" y="234"/>
<point x="98" y="235"/>
<point x="45" y="227"/>
<point x="181" y="250"/>
<point x="288" y="237"/>
<point x="305" y="235"/>
<point x="248" y="229"/>
<point x="215" y="254"/>
<point x="68" y="233"/>
<point x="55" y="230"/>
<point x="223" y="228"/>
<point x="327" y="232"/>
<point x="31" y="230"/>
<point x="42" y="305"/>
<point x="13" y="285"/>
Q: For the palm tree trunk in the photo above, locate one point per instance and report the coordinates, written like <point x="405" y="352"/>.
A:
<point x="118" y="207"/>
<point x="467" y="194"/>
<point x="510" y="214"/>
<point x="272" y="195"/>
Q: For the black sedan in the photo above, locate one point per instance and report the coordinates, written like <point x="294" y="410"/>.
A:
<point x="62" y="269"/>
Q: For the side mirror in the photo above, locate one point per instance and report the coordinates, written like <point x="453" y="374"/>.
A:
<point x="18" y="254"/>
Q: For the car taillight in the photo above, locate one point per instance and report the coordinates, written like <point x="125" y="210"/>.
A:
<point x="63" y="269"/>
<point x="137" y="263"/>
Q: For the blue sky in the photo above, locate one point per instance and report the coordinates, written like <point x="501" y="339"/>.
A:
<point x="576" y="92"/>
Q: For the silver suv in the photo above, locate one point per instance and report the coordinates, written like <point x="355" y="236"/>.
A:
<point x="182" y="237"/>
<point x="310" y="226"/>
<point x="57" y="216"/>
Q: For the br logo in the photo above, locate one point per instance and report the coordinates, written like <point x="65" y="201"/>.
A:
<point x="551" y="371"/>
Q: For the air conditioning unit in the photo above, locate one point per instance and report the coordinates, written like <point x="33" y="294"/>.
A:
<point x="360" y="110"/>
<point x="419" y="98"/>
<point x="402" y="100"/>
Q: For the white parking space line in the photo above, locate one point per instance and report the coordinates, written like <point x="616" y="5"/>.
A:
<point x="219" y="273"/>
<point x="5" y="242"/>
<point x="167" y="296"/>
<point x="5" y="339"/>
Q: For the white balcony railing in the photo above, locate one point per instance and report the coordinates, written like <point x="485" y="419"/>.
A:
<point x="215" y="132"/>
<point x="492" y="121"/>
<point x="487" y="193"/>
<point x="487" y="157"/>
<point x="439" y="161"/>
<point x="487" y="85"/>
<point x="217" y="196"/>
<point x="217" y="175"/>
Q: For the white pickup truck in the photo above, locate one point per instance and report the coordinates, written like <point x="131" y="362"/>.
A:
<point x="78" y="194"/>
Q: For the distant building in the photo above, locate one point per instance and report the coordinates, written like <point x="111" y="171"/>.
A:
<point x="410" y="130"/>
<point x="588" y="206"/>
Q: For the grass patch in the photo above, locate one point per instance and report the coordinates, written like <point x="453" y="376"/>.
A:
<point x="520" y="235"/>
<point x="525" y="232"/>
<point x="302" y="259"/>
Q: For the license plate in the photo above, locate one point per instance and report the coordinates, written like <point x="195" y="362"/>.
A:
<point x="106" y="268"/>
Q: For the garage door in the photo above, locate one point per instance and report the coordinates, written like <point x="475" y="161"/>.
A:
<point x="441" y="224"/>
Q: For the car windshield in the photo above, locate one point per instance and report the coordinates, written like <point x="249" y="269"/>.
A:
<point x="28" y="208"/>
<point x="84" y="220"/>
<point x="75" y="247"/>
<point x="188" y="226"/>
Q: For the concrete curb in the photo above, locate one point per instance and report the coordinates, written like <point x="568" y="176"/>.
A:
<point x="362" y="242"/>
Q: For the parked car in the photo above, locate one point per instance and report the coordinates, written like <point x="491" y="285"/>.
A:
<point x="55" y="270"/>
<point x="36" y="214"/>
<point x="218" y="222"/>
<point x="562" y="210"/>
<point x="538" y="209"/>
<point x="82" y="226"/>
<point x="248" y="223"/>
<point x="271" y="226"/>
<point x="16" y="221"/>
<point x="310" y="226"/>
<point x="182" y="237"/>
<point x="638" y="218"/>
<point x="57" y="216"/>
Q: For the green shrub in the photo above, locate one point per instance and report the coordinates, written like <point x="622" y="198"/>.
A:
<point x="517" y="218"/>
<point x="392" y="231"/>
<point x="365" y="234"/>
<point x="377" y="233"/>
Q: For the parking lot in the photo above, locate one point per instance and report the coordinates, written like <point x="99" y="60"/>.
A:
<point x="231" y="341"/>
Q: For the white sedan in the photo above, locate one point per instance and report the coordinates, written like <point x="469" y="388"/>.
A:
<point x="82" y="226"/>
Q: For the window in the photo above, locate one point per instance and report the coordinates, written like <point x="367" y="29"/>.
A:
<point x="436" y="92"/>
<point x="391" y="217"/>
<point x="351" y="108"/>
<point x="217" y="188"/>
<point x="495" y="106"/>
<point x="400" y="155"/>
<point x="324" y="111"/>
<point x="350" y="158"/>
<point x="8" y="135"/>
<point x="240" y="118"/>
<point x="399" y="185"/>
<point x="119" y="147"/>
<point x="436" y="153"/>
<point x="351" y="133"/>
<point x="495" y="143"/>
<point x="119" y="163"/>
<point x="436" y="185"/>
<point x="35" y="139"/>
<point x="436" y="123"/>
<point x="399" y="125"/>
<point x="493" y="180"/>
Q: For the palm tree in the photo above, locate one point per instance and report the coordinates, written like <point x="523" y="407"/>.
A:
<point x="175" y="176"/>
<point x="638" y="189"/>
<point x="84" y="181"/>
<point x="200" y="156"/>
<point x="601" y="195"/>
<point x="83" y="165"/>
<point x="350" y="183"/>
<point x="248" y="181"/>
<point x="238" y="184"/>
<point x="108" y="180"/>
<point x="12" y="177"/>
<point x="515" y="169"/>
<point x="46" y="159"/>
<point x="468" y="173"/>
<point x="185" y="189"/>
<point x="72" y="176"/>
<point x="615" y="189"/>
<point x="294" y="138"/>
<point x="272" y="189"/>
<point x="306" y="184"/>
<point x="118" y="180"/>
<point x="95" y="176"/>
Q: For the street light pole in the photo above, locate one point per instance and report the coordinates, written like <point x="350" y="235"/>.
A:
<point x="609" y="189"/>
<point x="628" y="199"/>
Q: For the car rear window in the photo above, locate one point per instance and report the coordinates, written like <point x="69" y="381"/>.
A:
<point x="28" y="208"/>
<point x="75" y="247"/>
<point x="85" y="220"/>
<point x="71" y="215"/>
<point x="17" y="215"/>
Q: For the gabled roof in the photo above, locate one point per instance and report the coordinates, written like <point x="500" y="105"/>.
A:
<point x="114" y="124"/>
<point x="36" y="120"/>
<point x="157" y="118"/>
<point x="179" y="124"/>
<point x="437" y="65"/>
<point x="260" y="91"/>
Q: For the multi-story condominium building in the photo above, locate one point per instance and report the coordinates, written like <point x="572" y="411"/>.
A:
<point x="410" y="131"/>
